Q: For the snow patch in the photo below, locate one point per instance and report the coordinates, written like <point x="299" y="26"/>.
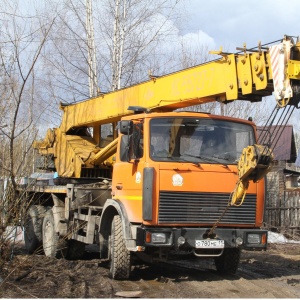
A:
<point x="278" y="238"/>
<point x="14" y="233"/>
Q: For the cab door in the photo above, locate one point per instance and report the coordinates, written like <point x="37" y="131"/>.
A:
<point x="128" y="170"/>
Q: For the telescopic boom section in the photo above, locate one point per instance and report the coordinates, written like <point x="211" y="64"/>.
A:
<point x="244" y="76"/>
<point x="248" y="75"/>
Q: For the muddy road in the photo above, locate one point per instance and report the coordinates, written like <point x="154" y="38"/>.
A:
<point x="271" y="274"/>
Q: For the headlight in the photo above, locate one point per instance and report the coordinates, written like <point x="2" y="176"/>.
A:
<point x="158" y="238"/>
<point x="253" y="238"/>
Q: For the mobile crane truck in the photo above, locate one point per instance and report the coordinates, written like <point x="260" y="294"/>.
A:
<point x="165" y="181"/>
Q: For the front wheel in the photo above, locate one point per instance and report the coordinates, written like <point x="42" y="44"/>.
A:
<point x="120" y="265"/>
<point x="229" y="261"/>
<point x="53" y="245"/>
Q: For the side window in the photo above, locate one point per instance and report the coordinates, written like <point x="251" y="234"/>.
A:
<point x="124" y="147"/>
<point x="137" y="141"/>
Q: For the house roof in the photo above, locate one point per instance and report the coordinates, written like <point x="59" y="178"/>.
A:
<point x="282" y="141"/>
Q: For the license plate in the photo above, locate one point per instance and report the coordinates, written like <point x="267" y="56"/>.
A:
<point x="209" y="244"/>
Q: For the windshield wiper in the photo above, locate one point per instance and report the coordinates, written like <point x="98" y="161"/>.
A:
<point x="205" y="158"/>
<point x="208" y="159"/>
<point x="218" y="157"/>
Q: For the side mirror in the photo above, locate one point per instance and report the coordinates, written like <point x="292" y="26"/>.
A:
<point x="126" y="127"/>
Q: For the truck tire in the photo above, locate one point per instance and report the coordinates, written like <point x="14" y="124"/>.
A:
<point x="53" y="245"/>
<point x="33" y="228"/>
<point x="229" y="261"/>
<point x="76" y="249"/>
<point x="120" y="265"/>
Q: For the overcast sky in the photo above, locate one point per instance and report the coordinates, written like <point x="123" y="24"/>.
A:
<point x="230" y="23"/>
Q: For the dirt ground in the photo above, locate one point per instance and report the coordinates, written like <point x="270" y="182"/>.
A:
<point x="271" y="274"/>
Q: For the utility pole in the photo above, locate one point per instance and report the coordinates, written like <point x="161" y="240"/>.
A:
<point x="93" y="80"/>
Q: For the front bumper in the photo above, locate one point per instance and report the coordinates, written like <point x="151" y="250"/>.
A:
<point x="185" y="238"/>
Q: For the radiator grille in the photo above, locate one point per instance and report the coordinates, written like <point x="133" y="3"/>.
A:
<point x="186" y="207"/>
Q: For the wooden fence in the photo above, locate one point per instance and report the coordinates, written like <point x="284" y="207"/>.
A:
<point x="283" y="212"/>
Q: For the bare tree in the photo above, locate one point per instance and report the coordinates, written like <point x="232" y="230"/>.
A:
<point x="138" y="28"/>
<point x="92" y="63"/>
<point x="126" y="33"/>
<point x="22" y="39"/>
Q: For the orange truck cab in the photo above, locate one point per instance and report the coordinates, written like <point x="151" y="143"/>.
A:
<point x="173" y="179"/>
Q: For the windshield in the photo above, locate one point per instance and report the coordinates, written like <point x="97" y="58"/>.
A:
<point x="198" y="140"/>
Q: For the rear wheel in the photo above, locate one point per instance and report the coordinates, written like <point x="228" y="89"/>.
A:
<point x="229" y="261"/>
<point x="33" y="228"/>
<point x="53" y="245"/>
<point x="120" y="265"/>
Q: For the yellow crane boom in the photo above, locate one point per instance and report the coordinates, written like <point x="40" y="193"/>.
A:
<point x="244" y="76"/>
<point x="229" y="78"/>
